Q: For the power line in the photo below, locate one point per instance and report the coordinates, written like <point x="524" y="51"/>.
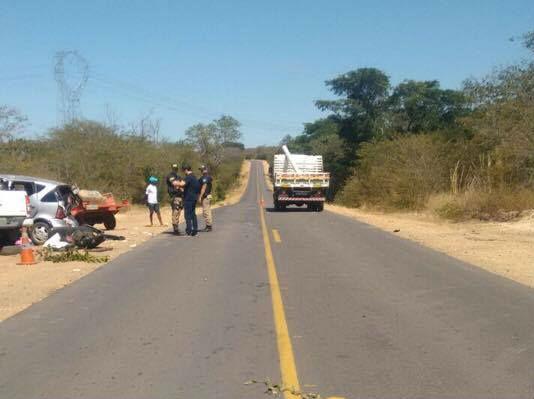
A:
<point x="20" y="77"/>
<point x="140" y="93"/>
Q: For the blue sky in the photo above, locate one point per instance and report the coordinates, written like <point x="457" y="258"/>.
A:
<point x="263" y="62"/>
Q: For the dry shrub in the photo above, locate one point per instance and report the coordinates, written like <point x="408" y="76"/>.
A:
<point x="400" y="173"/>
<point x="503" y="204"/>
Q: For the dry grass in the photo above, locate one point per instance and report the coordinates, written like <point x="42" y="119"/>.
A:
<point x="235" y="194"/>
<point x="268" y="180"/>
<point x="498" y="205"/>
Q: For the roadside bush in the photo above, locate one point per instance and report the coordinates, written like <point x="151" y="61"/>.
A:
<point x="400" y="173"/>
<point x="99" y="157"/>
<point x="226" y="176"/>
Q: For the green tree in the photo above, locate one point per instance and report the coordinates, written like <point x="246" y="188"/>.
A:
<point x="360" y="114"/>
<point x="528" y="40"/>
<point x="211" y="140"/>
<point x="228" y="129"/>
<point x="11" y="123"/>
<point x="204" y="138"/>
<point x="422" y="106"/>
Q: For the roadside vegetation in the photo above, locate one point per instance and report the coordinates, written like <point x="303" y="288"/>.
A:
<point x="116" y="159"/>
<point x="465" y="153"/>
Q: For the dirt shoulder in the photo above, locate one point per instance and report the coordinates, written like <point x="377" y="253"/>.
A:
<point x="21" y="286"/>
<point x="501" y="248"/>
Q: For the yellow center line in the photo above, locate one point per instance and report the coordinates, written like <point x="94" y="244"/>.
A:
<point x="288" y="368"/>
<point x="276" y="236"/>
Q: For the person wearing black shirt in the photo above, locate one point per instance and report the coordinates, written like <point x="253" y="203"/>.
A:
<point x="191" y="192"/>
<point x="206" y="182"/>
<point x="176" y="194"/>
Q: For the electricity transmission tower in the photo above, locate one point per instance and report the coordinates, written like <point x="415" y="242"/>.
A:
<point x="71" y="72"/>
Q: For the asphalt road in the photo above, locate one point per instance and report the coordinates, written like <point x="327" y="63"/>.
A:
<point x="364" y="314"/>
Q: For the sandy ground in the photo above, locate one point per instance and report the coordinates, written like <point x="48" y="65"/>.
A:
<point x="506" y="249"/>
<point x="20" y="286"/>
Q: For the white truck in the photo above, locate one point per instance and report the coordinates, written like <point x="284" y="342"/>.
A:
<point x="14" y="211"/>
<point x="299" y="180"/>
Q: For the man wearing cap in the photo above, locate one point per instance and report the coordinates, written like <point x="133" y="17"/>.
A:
<point x="205" y="197"/>
<point x="191" y="188"/>
<point x="176" y="195"/>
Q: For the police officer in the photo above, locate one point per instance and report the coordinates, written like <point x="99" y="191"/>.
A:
<point x="205" y="197"/>
<point x="176" y="194"/>
<point x="191" y="188"/>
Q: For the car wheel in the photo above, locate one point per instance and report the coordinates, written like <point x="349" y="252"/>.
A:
<point x="40" y="232"/>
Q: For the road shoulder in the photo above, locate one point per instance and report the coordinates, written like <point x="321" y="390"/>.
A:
<point x="502" y="248"/>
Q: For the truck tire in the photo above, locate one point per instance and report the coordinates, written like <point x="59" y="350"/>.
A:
<point x="316" y="207"/>
<point x="110" y="222"/>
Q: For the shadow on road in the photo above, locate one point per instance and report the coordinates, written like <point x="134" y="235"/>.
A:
<point x="287" y="210"/>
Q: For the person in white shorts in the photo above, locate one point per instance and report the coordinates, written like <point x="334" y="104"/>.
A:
<point x="151" y="195"/>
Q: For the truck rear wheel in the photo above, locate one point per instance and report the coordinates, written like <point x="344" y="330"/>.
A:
<point x="279" y="207"/>
<point x="316" y="207"/>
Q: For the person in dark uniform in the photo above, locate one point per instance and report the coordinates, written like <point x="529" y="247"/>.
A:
<point x="191" y="188"/>
<point x="176" y="194"/>
<point x="206" y="182"/>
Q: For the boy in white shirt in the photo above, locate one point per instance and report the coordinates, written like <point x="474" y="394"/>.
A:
<point x="151" y="194"/>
